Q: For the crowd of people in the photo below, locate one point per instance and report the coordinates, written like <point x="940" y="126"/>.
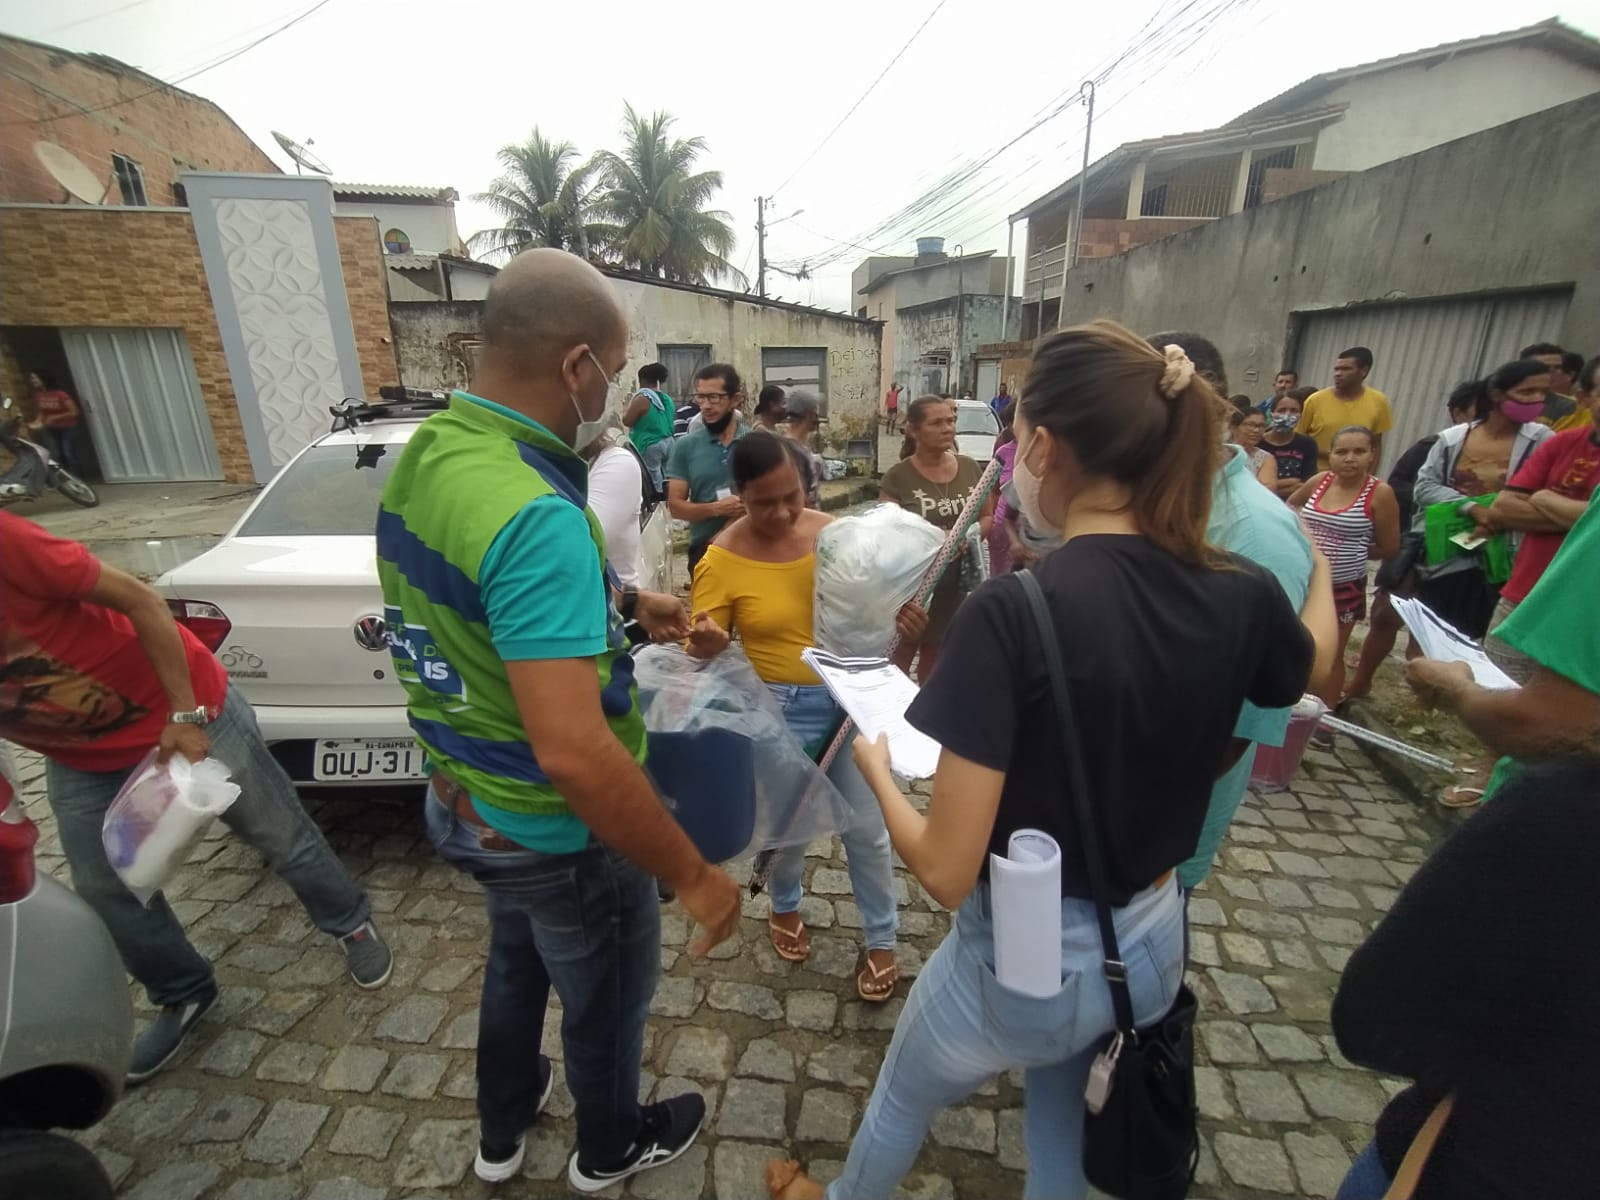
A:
<point x="1202" y="566"/>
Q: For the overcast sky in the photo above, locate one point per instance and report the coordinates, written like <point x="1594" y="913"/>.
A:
<point x="424" y="92"/>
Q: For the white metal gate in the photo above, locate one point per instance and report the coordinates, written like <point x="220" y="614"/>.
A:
<point x="988" y="378"/>
<point x="797" y="367"/>
<point x="143" y="402"/>
<point x="1423" y="348"/>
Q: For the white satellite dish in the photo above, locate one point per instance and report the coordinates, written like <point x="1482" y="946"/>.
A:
<point x="301" y="154"/>
<point x="67" y="169"/>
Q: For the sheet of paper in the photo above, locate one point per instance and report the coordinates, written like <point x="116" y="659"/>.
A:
<point x="1025" y="895"/>
<point x="1442" y="641"/>
<point x="876" y="693"/>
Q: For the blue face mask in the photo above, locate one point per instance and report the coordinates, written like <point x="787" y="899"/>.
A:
<point x="1284" y="422"/>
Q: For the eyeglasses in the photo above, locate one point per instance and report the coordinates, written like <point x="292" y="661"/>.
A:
<point x="702" y="396"/>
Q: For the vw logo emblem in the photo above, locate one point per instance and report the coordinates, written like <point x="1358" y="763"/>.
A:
<point x="370" y="631"/>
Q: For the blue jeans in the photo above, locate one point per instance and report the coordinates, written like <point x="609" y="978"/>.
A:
<point x="64" y="446"/>
<point x="267" y="815"/>
<point x="1367" y="1179"/>
<point x="588" y="924"/>
<point x="811" y="714"/>
<point x="960" y="1028"/>
<point x="655" y="458"/>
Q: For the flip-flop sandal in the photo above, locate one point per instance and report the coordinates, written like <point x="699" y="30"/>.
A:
<point x="882" y="982"/>
<point x="1461" y="797"/>
<point x="791" y="945"/>
<point x="784" y="1174"/>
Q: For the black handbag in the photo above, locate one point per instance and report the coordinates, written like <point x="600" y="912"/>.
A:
<point x="1139" y="1139"/>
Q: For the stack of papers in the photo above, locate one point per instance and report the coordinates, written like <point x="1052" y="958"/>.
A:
<point x="1440" y="640"/>
<point x="875" y="694"/>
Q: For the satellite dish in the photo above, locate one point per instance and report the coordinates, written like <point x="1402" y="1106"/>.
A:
<point x="301" y="154"/>
<point x="67" y="169"/>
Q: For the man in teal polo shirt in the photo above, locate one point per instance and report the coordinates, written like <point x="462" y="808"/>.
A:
<point x="520" y="688"/>
<point x="699" y="487"/>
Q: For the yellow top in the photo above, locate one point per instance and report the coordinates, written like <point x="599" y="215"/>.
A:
<point x="1326" y="413"/>
<point x="1576" y="419"/>
<point x="769" y="604"/>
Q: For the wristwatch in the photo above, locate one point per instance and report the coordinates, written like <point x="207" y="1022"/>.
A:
<point x="200" y="716"/>
<point x="629" y="603"/>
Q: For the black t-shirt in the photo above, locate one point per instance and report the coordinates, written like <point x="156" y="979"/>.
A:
<point x="1403" y="478"/>
<point x="1159" y="657"/>
<point x="1297" y="460"/>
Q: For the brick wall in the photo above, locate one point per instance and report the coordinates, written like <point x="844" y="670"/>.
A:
<point x="43" y="95"/>
<point x="87" y="267"/>
<point x="1106" y="238"/>
<point x="1278" y="182"/>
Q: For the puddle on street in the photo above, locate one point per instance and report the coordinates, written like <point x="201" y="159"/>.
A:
<point x="148" y="558"/>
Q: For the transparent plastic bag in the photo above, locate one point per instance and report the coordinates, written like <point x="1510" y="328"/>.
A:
<point x="158" y="816"/>
<point x="725" y="762"/>
<point x="868" y="567"/>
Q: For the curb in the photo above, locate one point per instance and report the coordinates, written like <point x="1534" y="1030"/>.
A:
<point x="1415" y="780"/>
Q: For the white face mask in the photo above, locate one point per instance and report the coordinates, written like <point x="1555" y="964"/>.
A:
<point x="1028" y="486"/>
<point x="588" y="431"/>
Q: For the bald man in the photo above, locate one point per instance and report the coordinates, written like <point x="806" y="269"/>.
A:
<point x="520" y="688"/>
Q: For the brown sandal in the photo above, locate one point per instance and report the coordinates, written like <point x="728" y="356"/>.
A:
<point x="793" y="945"/>
<point x="875" y="986"/>
<point x="786" y="1181"/>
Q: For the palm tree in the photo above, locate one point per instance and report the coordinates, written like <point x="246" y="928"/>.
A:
<point x="544" y="198"/>
<point x="655" y="202"/>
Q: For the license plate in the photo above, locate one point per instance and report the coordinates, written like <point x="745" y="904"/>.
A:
<point x="343" y="759"/>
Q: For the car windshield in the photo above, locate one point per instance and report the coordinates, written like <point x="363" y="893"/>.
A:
<point x="329" y="490"/>
<point x="975" y="420"/>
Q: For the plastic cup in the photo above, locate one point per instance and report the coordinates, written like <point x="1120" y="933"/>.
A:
<point x="1276" y="766"/>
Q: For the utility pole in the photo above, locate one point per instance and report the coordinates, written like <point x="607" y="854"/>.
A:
<point x="761" y="246"/>
<point x="1070" y="258"/>
<point x="961" y="358"/>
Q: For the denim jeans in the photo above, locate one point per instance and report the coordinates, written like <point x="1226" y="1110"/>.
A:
<point x="960" y="1028"/>
<point x="588" y="924"/>
<point x="811" y="714"/>
<point x="65" y="446"/>
<point x="267" y="815"/>
<point x="655" y="458"/>
<point x="1367" y="1179"/>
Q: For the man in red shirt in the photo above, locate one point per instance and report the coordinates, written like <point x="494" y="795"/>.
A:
<point x="94" y="673"/>
<point x="1543" y="500"/>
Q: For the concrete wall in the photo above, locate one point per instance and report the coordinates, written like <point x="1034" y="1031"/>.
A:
<point x="43" y="93"/>
<point x="1442" y="101"/>
<point x="431" y="227"/>
<point x="932" y="327"/>
<point x="435" y="343"/>
<point x="1473" y="216"/>
<point x="79" y="267"/>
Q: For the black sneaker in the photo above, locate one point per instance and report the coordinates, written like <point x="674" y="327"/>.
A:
<point x="496" y="1164"/>
<point x="669" y="1128"/>
<point x="163" y="1037"/>
<point x="367" y="955"/>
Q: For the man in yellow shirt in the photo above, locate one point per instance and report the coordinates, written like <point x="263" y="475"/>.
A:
<point x="1348" y="402"/>
<point x="1562" y="411"/>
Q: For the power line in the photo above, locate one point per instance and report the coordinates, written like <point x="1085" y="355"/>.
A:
<point x="197" y="71"/>
<point x="55" y="29"/>
<point x="870" y="87"/>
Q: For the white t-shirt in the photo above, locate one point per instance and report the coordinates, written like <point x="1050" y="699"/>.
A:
<point x="616" y="488"/>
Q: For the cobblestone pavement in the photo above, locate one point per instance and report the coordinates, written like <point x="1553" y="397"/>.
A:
<point x="297" y="1086"/>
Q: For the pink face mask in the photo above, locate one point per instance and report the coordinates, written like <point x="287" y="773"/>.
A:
<point x="1520" y="412"/>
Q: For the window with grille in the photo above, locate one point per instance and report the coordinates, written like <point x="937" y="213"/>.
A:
<point x="130" y="180"/>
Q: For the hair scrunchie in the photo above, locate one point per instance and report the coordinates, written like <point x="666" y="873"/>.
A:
<point x="1178" y="372"/>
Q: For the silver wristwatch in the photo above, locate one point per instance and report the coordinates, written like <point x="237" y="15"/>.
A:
<point x="200" y="716"/>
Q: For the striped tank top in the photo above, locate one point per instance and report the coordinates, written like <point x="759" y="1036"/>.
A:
<point x="1344" y="534"/>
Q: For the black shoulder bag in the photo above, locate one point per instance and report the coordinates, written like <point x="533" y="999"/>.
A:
<point x="1139" y="1140"/>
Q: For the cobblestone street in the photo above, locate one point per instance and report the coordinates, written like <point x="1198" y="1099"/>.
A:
<point x="298" y="1086"/>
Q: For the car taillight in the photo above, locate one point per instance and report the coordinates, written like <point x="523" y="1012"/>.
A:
<point x="206" y="621"/>
<point x="17" y="838"/>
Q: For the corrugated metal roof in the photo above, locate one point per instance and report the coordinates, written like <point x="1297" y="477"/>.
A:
<point x="393" y="191"/>
<point x="411" y="262"/>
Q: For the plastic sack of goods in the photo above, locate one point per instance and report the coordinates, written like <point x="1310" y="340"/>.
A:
<point x="159" y="815"/>
<point x="868" y="568"/>
<point x="723" y="760"/>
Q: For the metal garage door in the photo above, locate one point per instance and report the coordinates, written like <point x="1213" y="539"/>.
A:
<point x="143" y="401"/>
<point x="801" y="367"/>
<point x="1422" y="349"/>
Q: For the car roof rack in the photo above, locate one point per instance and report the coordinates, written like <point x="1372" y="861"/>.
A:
<point x="395" y="403"/>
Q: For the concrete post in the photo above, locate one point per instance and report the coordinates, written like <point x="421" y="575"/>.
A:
<point x="1136" y="191"/>
<point x="1241" y="182"/>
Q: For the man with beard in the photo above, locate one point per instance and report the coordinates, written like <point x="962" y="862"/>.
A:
<point x="699" y="488"/>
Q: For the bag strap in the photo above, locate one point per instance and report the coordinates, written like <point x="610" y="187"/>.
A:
<point x="1416" y="1159"/>
<point x="1116" y="970"/>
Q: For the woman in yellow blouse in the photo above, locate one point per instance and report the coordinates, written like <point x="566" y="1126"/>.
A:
<point x="757" y="579"/>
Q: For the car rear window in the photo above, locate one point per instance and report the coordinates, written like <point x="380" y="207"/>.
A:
<point x="329" y="490"/>
<point x="975" y="420"/>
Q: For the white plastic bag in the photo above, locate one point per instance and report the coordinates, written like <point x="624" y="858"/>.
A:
<point x="724" y="760"/>
<point x="159" y="814"/>
<point x="868" y="568"/>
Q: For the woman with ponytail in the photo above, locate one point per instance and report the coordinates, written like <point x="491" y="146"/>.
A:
<point x="1164" y="637"/>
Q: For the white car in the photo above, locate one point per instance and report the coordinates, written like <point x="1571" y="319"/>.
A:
<point x="290" y="604"/>
<point x="976" y="429"/>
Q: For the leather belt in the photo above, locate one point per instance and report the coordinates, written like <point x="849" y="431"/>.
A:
<point x="459" y="801"/>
